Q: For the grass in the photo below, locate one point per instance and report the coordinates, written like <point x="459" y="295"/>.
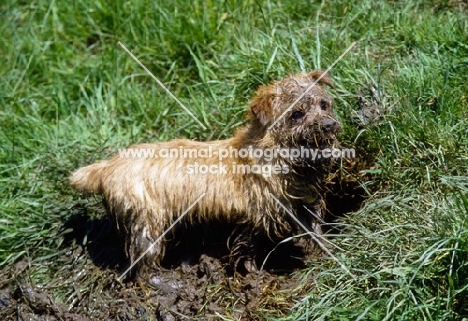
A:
<point x="69" y="95"/>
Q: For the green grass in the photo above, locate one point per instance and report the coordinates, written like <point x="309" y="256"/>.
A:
<point x="69" y="95"/>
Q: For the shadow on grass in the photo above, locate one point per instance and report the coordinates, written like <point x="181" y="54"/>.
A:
<point x="98" y="237"/>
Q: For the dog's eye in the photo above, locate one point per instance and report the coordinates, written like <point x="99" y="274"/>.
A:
<point x="297" y="115"/>
<point x="324" y="104"/>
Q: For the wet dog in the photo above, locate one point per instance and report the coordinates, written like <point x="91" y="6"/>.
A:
<point x="260" y="178"/>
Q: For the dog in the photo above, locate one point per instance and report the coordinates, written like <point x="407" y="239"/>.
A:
<point x="147" y="192"/>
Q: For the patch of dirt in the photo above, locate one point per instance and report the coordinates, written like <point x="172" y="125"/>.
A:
<point x="82" y="283"/>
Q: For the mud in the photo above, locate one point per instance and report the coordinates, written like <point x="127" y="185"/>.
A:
<point x="86" y="284"/>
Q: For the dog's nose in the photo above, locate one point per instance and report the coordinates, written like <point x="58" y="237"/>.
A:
<point x="329" y="124"/>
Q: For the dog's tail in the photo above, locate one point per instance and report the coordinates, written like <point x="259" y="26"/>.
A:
<point x="89" y="178"/>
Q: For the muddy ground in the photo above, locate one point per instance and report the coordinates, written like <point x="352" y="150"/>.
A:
<point x="198" y="280"/>
<point x="84" y="283"/>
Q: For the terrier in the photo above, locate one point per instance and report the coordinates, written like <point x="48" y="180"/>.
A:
<point x="256" y="179"/>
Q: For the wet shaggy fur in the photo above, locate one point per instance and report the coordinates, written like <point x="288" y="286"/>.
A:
<point x="145" y="195"/>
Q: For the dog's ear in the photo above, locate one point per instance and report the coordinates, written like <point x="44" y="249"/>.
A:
<point x="262" y="104"/>
<point x="316" y="74"/>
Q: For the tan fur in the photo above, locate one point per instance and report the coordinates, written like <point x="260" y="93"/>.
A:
<point x="145" y="195"/>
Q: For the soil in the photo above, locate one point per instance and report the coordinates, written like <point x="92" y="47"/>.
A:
<point x="86" y="283"/>
<point x="198" y="292"/>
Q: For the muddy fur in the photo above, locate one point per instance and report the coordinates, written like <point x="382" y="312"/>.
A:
<point x="145" y="195"/>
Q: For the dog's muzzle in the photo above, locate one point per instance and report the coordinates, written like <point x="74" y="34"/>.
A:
<point x="330" y="125"/>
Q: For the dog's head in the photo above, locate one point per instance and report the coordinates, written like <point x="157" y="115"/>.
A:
<point x="297" y="110"/>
